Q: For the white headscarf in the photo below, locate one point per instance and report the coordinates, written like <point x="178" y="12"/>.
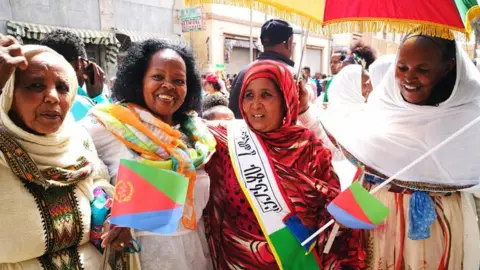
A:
<point x="346" y="89"/>
<point x="60" y="149"/>
<point x="379" y="68"/>
<point x="391" y="133"/>
<point x="6" y="101"/>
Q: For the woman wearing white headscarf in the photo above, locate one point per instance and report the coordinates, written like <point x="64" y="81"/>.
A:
<point x="430" y="93"/>
<point x="49" y="169"/>
<point x="351" y="86"/>
<point x="379" y="68"/>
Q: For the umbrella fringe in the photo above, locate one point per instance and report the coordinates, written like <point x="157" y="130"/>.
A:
<point x="350" y="25"/>
<point x="303" y="20"/>
<point x="472" y="14"/>
<point x="373" y="25"/>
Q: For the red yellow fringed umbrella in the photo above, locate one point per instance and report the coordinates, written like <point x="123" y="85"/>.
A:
<point x="441" y="18"/>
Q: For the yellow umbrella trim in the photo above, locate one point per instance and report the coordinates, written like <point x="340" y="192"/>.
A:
<point x="346" y="25"/>
<point x="389" y="25"/>
<point x="472" y="14"/>
<point x="271" y="8"/>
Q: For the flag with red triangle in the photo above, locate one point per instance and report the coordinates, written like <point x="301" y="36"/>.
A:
<point x="147" y="198"/>
<point x="356" y="208"/>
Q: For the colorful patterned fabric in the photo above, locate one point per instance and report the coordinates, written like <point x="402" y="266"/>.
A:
<point x="64" y="259"/>
<point x="306" y="175"/>
<point x="421" y="215"/>
<point x="60" y="215"/>
<point x="401" y="241"/>
<point x="26" y="169"/>
<point x="57" y="206"/>
<point x="101" y="206"/>
<point x="389" y="246"/>
<point x="47" y="183"/>
<point x="158" y="144"/>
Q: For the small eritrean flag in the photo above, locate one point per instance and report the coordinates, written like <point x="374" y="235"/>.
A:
<point x="356" y="208"/>
<point x="148" y="198"/>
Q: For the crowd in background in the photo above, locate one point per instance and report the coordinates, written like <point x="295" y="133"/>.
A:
<point x="264" y="152"/>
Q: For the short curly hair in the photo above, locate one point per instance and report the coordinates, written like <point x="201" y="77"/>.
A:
<point x="66" y="43"/>
<point x="128" y="86"/>
<point x="213" y="100"/>
<point x="364" y="51"/>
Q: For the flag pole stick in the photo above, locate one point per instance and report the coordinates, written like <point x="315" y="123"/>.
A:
<point x="304" y="45"/>
<point x="331" y="238"/>
<point x="251" y="33"/>
<point x="408" y="167"/>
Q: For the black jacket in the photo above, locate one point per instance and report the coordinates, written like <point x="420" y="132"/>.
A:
<point x="237" y="83"/>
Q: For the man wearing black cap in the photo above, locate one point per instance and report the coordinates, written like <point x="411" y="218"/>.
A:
<point x="277" y="40"/>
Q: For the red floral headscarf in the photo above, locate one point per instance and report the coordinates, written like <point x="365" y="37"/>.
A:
<point x="289" y="141"/>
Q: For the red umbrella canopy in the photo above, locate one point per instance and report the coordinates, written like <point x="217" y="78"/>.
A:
<point x="439" y="18"/>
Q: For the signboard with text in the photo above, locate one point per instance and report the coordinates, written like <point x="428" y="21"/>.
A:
<point x="192" y="19"/>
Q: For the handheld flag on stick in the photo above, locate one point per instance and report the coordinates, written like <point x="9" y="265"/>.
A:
<point x="406" y="168"/>
<point x="148" y="198"/>
<point x="357" y="209"/>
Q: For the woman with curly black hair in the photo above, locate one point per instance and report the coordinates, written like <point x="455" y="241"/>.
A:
<point x="362" y="54"/>
<point x="155" y="123"/>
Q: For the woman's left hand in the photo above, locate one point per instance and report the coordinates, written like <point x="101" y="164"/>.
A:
<point x="117" y="237"/>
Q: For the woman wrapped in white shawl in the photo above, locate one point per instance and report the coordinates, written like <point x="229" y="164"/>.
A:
<point x="429" y="93"/>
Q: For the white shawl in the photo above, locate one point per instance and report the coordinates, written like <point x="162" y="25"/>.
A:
<point x="391" y="132"/>
<point x="62" y="148"/>
<point x="379" y="68"/>
<point x="346" y="89"/>
<point x="23" y="235"/>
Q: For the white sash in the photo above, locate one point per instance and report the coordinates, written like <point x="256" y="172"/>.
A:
<point x="258" y="180"/>
<point x="256" y="177"/>
<point x="261" y="186"/>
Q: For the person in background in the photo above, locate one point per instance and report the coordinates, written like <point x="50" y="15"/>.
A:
<point x="215" y="107"/>
<point x="212" y="85"/>
<point x="336" y="64"/>
<point x="223" y="87"/>
<point x="90" y="76"/>
<point x="310" y="84"/>
<point x="363" y="54"/>
<point x="318" y="83"/>
<point x="351" y="86"/>
<point x="277" y="40"/>
<point x="357" y="77"/>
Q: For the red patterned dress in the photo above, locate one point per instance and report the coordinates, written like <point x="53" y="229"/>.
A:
<point x="235" y="238"/>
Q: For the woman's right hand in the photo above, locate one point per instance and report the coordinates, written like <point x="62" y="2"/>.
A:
<point x="11" y="57"/>
<point x="303" y="97"/>
<point x="117" y="237"/>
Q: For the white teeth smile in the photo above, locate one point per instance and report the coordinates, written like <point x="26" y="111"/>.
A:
<point x="165" y="97"/>
<point x="409" y="87"/>
<point x="257" y="115"/>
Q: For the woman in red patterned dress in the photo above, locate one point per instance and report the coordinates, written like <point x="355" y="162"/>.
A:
<point x="270" y="107"/>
